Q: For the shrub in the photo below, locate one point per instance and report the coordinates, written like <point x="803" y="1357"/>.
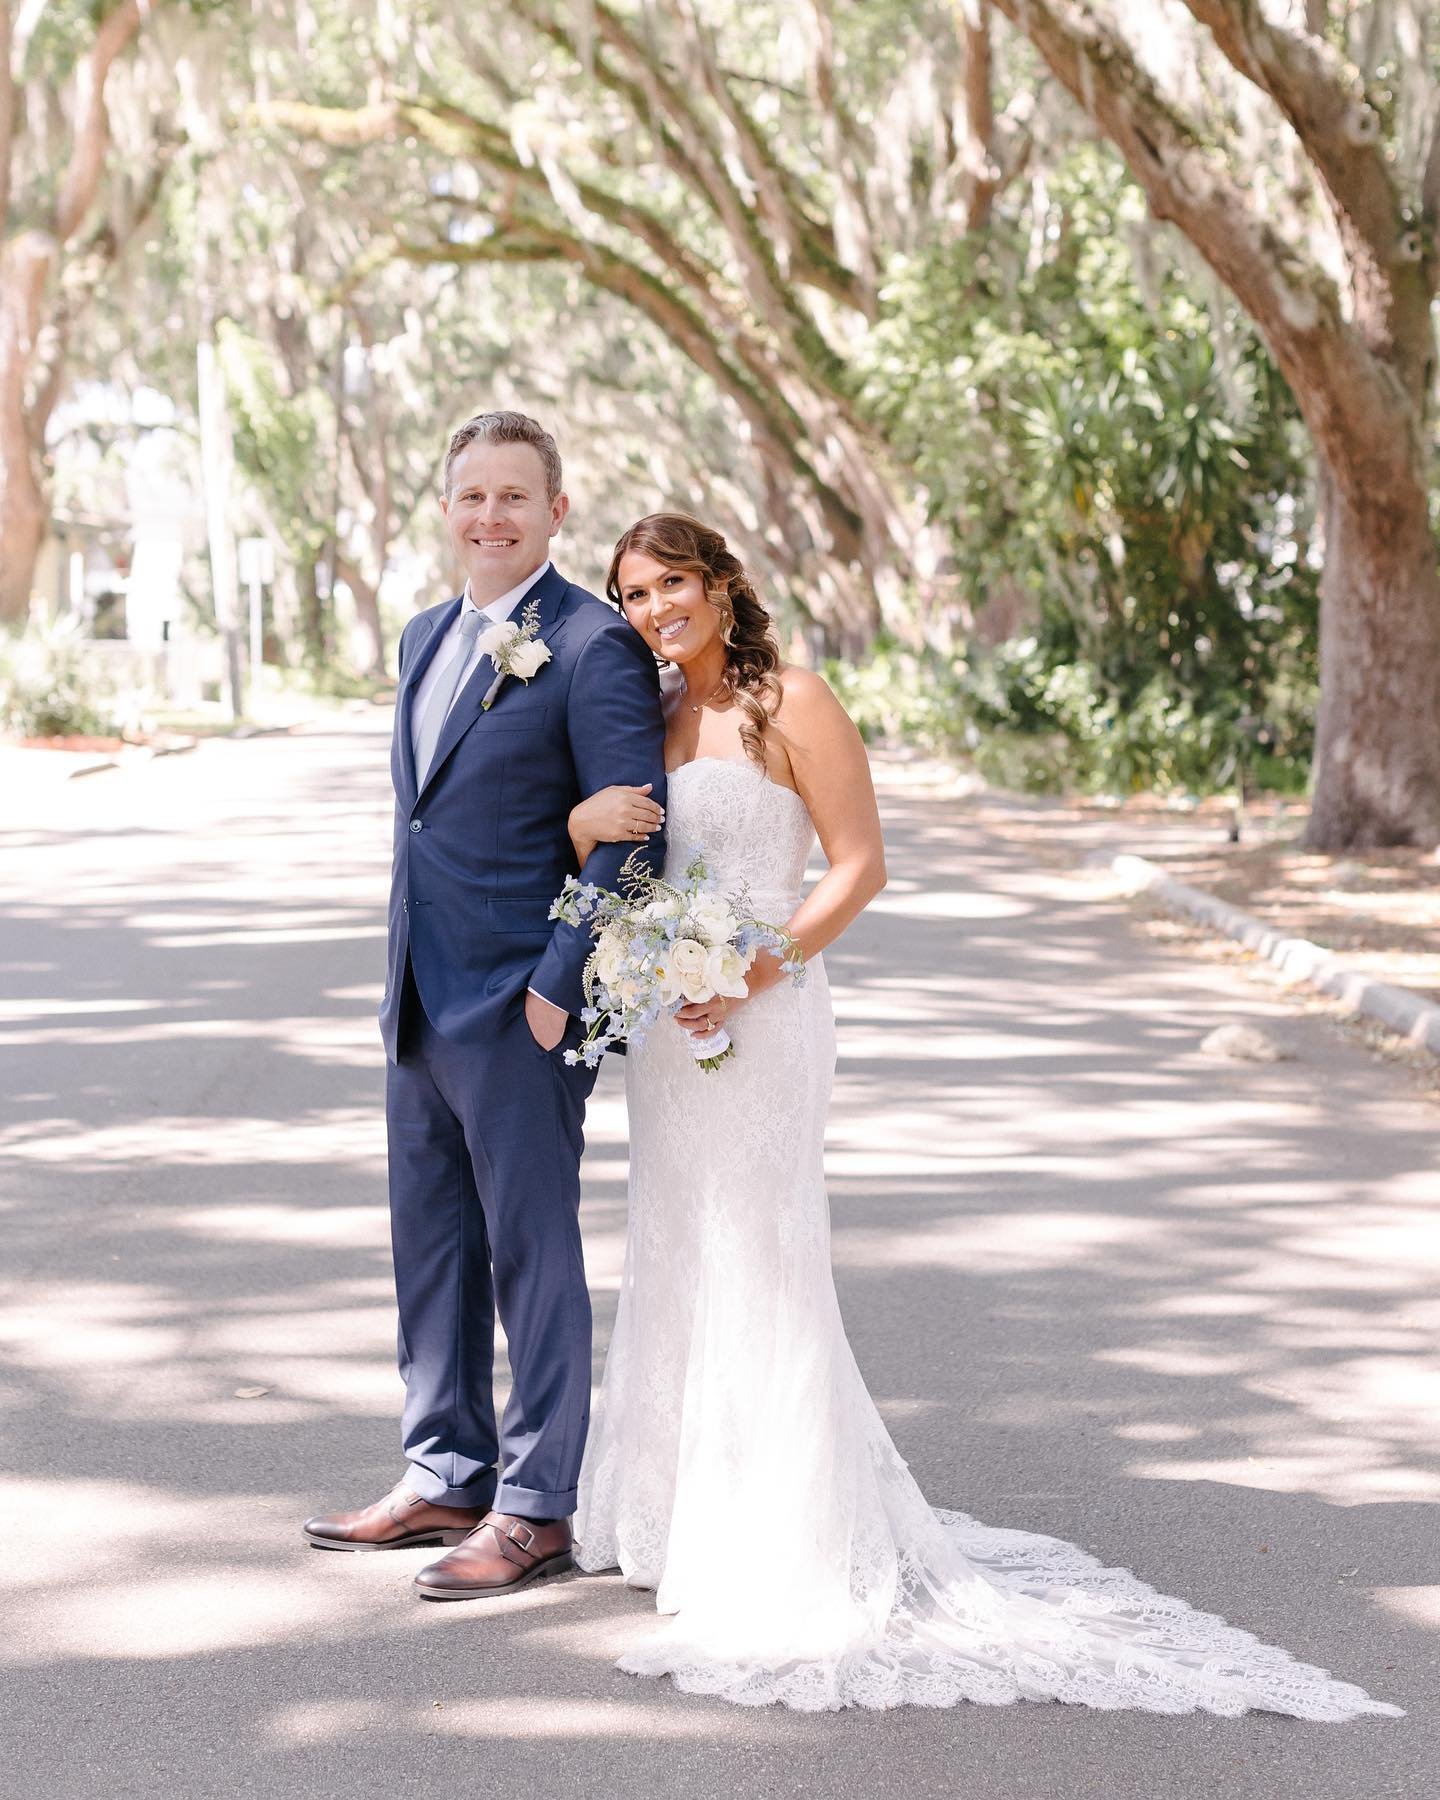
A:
<point x="1027" y="722"/>
<point x="47" y="688"/>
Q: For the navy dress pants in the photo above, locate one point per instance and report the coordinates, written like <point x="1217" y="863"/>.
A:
<point x="485" y="1146"/>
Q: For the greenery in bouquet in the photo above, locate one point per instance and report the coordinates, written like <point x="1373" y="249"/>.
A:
<point x="661" y="945"/>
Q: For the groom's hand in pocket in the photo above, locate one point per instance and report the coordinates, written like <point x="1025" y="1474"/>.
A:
<point x="546" y="1022"/>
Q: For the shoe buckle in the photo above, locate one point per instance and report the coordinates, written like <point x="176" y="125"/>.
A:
<point x="513" y="1534"/>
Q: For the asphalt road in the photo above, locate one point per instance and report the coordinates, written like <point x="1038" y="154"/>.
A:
<point x="1181" y="1310"/>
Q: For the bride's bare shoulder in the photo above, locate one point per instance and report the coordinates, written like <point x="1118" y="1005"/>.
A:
<point x="808" y="707"/>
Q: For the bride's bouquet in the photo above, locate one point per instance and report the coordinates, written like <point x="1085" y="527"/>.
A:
<point x="661" y="945"/>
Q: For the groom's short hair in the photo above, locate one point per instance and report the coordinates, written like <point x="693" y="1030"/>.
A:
<point x="508" y="428"/>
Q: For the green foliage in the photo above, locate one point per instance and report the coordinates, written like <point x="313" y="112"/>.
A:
<point x="48" y="689"/>
<point x="277" y="437"/>
<point x="1027" y="722"/>
<point x="1125" y="465"/>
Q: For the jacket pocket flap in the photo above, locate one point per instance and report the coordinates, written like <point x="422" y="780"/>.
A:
<point x="526" y="718"/>
<point x="528" y="913"/>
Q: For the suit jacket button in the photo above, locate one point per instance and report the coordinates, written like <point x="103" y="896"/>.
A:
<point x="416" y="825"/>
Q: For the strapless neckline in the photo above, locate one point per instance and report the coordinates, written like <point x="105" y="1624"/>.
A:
<point x="733" y="762"/>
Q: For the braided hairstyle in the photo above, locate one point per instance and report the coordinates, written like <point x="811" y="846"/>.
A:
<point x="752" y="655"/>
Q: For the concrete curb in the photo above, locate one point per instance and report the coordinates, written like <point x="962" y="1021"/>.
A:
<point x="1414" y="1019"/>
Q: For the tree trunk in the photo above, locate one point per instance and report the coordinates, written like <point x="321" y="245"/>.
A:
<point x="217" y="462"/>
<point x="22" y="526"/>
<point x="315" y="610"/>
<point x="23" y="509"/>
<point x="371" y="658"/>
<point x="1375" y="784"/>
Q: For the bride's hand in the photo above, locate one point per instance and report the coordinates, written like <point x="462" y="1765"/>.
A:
<point x="703" y="1017"/>
<point x="614" y="815"/>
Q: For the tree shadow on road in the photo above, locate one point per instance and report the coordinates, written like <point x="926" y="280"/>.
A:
<point x="1101" y="1285"/>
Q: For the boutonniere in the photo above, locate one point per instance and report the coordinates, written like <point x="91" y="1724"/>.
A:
<point x="516" y="650"/>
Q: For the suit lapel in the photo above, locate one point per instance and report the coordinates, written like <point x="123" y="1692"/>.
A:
<point x="469" y="702"/>
<point x="405" y="702"/>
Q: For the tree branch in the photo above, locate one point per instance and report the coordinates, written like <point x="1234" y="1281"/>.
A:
<point x="527" y="239"/>
<point x="1430" y="211"/>
<point x="982" y="171"/>
<point x="459" y="134"/>
<point x="7" y="111"/>
<point x="88" y="266"/>
<point x="839" y="138"/>
<point x="809" y="241"/>
<point x="690" y="147"/>
<point x="91" y="130"/>
<point x="1325" y="104"/>
<point x="1295" y="305"/>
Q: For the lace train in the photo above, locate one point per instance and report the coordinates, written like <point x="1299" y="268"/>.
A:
<point x="737" y="1464"/>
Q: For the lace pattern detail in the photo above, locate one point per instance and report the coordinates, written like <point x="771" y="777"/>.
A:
<point x="730" y="1394"/>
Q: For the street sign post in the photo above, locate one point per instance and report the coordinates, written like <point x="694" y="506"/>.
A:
<point x="257" y="569"/>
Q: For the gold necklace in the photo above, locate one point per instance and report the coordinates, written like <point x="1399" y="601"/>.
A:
<point x="724" y="683"/>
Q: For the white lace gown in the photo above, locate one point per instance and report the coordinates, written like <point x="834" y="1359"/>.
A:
<point x="736" y="1462"/>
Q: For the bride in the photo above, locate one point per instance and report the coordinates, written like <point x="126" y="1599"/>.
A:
<point x="736" y="1463"/>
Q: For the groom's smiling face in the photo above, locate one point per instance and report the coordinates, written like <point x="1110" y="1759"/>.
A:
<point x="499" y="515"/>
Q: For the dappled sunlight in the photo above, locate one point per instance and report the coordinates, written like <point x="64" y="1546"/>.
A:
<point x="1099" y="1283"/>
<point x="998" y="1243"/>
<point x="1350" y="1471"/>
<point x="115" y="1518"/>
<point x="930" y="904"/>
<point x="122" y="1352"/>
<point x="87" y="1325"/>
<point x="1415" y="1605"/>
<point x="254" y="936"/>
<point x="535" y="1718"/>
<point x="168" y="1617"/>
<point x="331" y="1041"/>
<point x="337" y="1137"/>
<point x="295" y="1223"/>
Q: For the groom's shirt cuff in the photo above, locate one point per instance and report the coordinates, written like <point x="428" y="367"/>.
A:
<point x="548" y="1001"/>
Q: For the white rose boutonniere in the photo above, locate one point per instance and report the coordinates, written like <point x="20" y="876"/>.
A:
<point x="516" y="650"/>
<point x="526" y="659"/>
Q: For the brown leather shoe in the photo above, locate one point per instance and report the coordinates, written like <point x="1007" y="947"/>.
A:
<point x="502" y="1553"/>
<point x="400" y="1521"/>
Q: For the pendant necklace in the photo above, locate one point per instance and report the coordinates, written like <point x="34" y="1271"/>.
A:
<point x="696" y="705"/>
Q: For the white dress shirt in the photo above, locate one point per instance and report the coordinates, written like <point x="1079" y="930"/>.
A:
<point x="494" y="614"/>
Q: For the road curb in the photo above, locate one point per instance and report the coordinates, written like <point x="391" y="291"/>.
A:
<point x="1414" y="1019"/>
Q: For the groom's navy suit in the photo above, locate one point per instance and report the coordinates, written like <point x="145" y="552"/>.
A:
<point x="485" y="1127"/>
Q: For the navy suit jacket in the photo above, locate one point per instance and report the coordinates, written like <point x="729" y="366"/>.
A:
<point x="483" y="848"/>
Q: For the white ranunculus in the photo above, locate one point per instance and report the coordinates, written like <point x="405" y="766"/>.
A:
<point x="714" y="920"/>
<point x="528" y="658"/>
<point x="495" y="640"/>
<point x="629" y="988"/>
<point x="609" y="956"/>
<point x="684" y="977"/>
<point x="725" y="971"/>
<point x="666" y="907"/>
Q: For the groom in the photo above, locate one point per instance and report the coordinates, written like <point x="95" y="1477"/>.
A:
<point x="485" y="1118"/>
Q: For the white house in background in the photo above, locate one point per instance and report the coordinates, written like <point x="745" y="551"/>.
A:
<point x="116" y="569"/>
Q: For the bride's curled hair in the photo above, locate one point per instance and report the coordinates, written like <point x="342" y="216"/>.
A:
<point x="752" y="656"/>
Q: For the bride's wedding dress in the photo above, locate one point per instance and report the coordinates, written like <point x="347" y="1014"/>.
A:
<point x="737" y="1464"/>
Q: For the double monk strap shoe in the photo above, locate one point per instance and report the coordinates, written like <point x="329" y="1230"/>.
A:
<point x="501" y="1554"/>
<point x="401" y="1521"/>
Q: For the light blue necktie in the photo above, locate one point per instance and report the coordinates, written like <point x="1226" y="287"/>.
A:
<point x="445" y="691"/>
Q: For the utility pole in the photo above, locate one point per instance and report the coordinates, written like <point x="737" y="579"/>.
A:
<point x="217" y="460"/>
